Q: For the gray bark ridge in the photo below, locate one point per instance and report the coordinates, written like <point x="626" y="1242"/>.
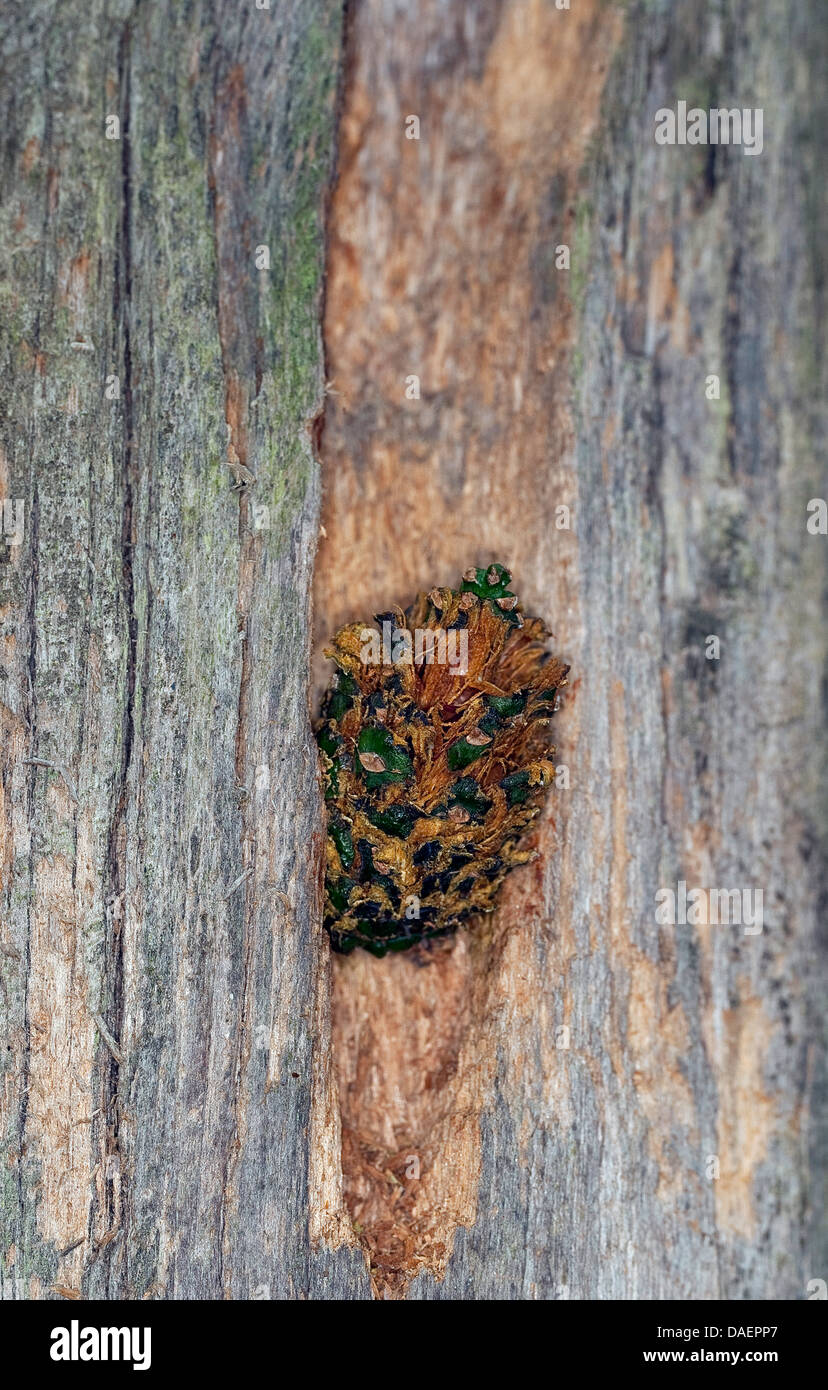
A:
<point x="164" y="169"/>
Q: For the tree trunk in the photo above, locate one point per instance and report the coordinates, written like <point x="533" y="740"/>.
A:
<point x="574" y="1098"/>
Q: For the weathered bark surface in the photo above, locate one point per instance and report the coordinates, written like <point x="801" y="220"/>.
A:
<point x="155" y="629"/>
<point x="183" y="1113"/>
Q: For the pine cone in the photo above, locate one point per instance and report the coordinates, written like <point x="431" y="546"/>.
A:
<point x="435" y="747"/>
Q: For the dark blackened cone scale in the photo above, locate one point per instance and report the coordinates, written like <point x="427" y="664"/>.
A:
<point x="431" y="776"/>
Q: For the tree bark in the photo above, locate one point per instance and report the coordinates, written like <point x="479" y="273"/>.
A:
<point x="572" y="1099"/>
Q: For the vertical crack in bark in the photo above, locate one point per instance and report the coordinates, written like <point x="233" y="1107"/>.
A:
<point x="112" y="1178"/>
<point x="30" y="724"/>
